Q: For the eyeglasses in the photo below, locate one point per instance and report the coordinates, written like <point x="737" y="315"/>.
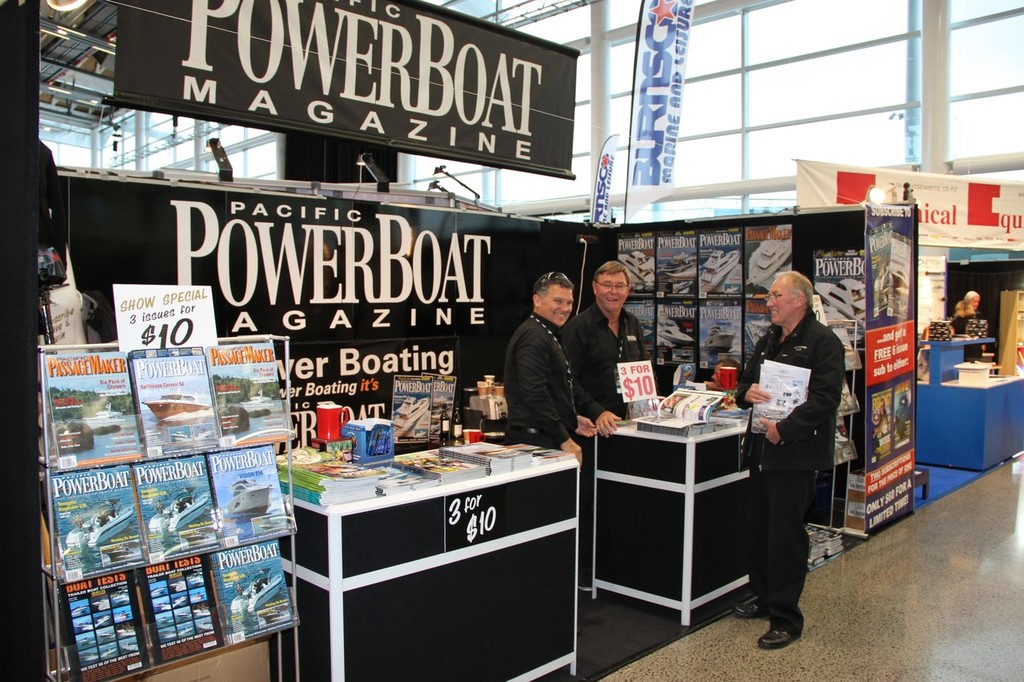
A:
<point x="775" y="295"/>
<point x="613" y="286"/>
<point x="549" y="278"/>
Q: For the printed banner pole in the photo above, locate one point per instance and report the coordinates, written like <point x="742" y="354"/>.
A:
<point x="600" y="202"/>
<point x="662" y="41"/>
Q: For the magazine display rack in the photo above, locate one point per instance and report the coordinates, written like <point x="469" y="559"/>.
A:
<point x="155" y="549"/>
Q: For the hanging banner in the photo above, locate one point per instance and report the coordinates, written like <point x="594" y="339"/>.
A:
<point x="601" y="198"/>
<point x="662" y="41"/>
<point x="889" y="363"/>
<point x="954" y="211"/>
<point x="401" y="73"/>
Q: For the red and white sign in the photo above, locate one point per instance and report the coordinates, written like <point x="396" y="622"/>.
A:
<point x="637" y="380"/>
<point x="954" y="210"/>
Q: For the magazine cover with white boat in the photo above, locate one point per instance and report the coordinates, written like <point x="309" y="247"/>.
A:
<point x="104" y="626"/>
<point x="410" y="407"/>
<point x="247" y="492"/>
<point x="838" y="279"/>
<point x="177" y="508"/>
<point x="720" y="263"/>
<point x="756" y="323"/>
<point x="248" y="394"/>
<point x="637" y="252"/>
<point x="178" y="600"/>
<point x="677" y="263"/>
<point x="97" y="521"/>
<point x="91" y="409"/>
<point x="643" y="310"/>
<point x="252" y="594"/>
<point x="174" y="400"/>
<point x="721" y="331"/>
<point x="768" y="251"/>
<point x="677" y="330"/>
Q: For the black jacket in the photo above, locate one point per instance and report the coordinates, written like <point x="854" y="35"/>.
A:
<point x="594" y="353"/>
<point x="540" y="392"/>
<point x="808" y="433"/>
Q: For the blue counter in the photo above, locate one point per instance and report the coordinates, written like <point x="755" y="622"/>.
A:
<point x="967" y="427"/>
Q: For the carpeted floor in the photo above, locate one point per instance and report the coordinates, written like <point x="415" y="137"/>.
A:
<point x="614" y="630"/>
<point x="942" y="481"/>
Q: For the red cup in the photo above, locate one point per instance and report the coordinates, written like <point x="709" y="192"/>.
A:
<point x="728" y="377"/>
<point x="473" y="435"/>
<point x="330" y="417"/>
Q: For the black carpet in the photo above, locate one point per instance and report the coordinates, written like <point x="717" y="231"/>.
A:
<point x="615" y="631"/>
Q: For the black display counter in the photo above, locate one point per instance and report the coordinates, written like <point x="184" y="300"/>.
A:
<point x="467" y="581"/>
<point x="669" y="521"/>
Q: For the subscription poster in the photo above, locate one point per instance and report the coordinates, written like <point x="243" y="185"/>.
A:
<point x="889" y="363"/>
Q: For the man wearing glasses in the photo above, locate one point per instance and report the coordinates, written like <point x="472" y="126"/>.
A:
<point x="545" y="402"/>
<point x="783" y="460"/>
<point x="597" y="340"/>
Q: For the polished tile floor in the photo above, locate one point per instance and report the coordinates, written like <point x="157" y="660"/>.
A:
<point x="938" y="595"/>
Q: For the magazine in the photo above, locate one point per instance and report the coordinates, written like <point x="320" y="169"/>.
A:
<point x="97" y="522"/>
<point x="787" y="386"/>
<point x="173" y="397"/>
<point x="677" y="263"/>
<point x="637" y="254"/>
<point x="91" y="410"/>
<point x="248" y="394"/>
<point x="252" y="594"/>
<point x="105" y="627"/>
<point x="410" y="407"/>
<point x="178" y="600"/>
<point x="248" y="496"/>
<point x="176" y="502"/>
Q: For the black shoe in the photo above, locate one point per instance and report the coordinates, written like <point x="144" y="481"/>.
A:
<point x="777" y="639"/>
<point x="752" y="609"/>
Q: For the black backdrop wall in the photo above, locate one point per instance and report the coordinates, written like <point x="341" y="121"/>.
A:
<point x="988" y="279"/>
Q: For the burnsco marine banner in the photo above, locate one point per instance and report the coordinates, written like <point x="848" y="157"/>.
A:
<point x="417" y="77"/>
<point x="601" y="205"/>
<point x="662" y="41"/>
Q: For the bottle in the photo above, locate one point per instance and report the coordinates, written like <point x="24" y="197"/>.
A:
<point x="457" y="426"/>
<point x="446" y="427"/>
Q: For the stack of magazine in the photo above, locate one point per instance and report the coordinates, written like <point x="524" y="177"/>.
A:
<point x="499" y="459"/>
<point x="431" y="464"/>
<point x="400" y="481"/>
<point x="335" y="481"/>
<point x="685" y="412"/>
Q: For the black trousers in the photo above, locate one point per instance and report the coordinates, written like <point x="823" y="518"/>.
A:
<point x="778" y="544"/>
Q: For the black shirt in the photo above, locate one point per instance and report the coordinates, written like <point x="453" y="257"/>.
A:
<point x="539" y="387"/>
<point x="594" y="351"/>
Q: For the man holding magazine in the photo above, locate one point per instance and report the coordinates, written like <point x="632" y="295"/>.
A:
<point x="784" y="452"/>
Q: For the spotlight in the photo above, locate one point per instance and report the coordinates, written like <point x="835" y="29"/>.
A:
<point x="376" y="172"/>
<point x="437" y="185"/>
<point x="875" y="195"/>
<point x="442" y="171"/>
<point x="65" y="5"/>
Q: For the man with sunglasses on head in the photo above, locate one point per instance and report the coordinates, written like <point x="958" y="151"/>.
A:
<point x="784" y="459"/>
<point x="545" y="402"/>
<point x="596" y="340"/>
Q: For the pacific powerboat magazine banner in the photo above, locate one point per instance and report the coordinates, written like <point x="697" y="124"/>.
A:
<point x="405" y="74"/>
<point x="365" y="291"/>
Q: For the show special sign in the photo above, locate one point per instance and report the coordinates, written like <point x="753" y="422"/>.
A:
<point x="163" y="316"/>
<point x="401" y="73"/>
